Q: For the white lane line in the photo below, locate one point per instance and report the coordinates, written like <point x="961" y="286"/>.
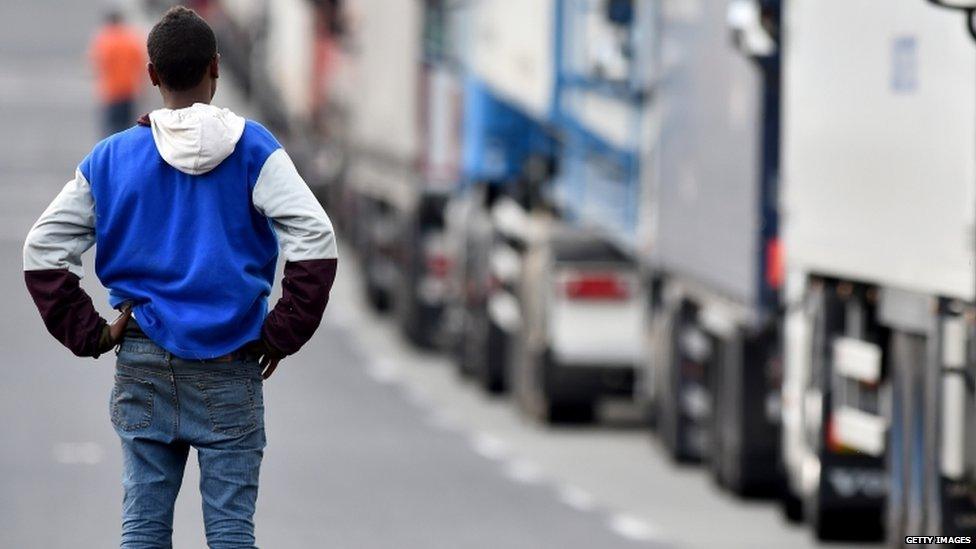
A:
<point x="444" y="420"/>
<point x="523" y="471"/>
<point x="418" y="395"/>
<point x="577" y="498"/>
<point x="633" y="528"/>
<point x="78" y="453"/>
<point x="384" y="371"/>
<point x="489" y="446"/>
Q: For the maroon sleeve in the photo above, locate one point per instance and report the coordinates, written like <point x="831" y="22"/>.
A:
<point x="66" y="309"/>
<point x="305" y="293"/>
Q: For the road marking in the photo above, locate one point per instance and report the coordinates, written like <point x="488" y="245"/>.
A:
<point x="523" y="471"/>
<point x="444" y="420"/>
<point x="384" y="371"/>
<point x="418" y="395"/>
<point x="632" y="528"/>
<point x="78" y="453"/>
<point x="489" y="446"/>
<point x="577" y="498"/>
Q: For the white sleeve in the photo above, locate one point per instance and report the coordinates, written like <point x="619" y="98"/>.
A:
<point x="64" y="231"/>
<point x="303" y="228"/>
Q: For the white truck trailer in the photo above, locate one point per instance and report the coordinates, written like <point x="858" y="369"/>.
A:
<point x="285" y="55"/>
<point x="878" y="202"/>
<point x="714" y="372"/>
<point x="382" y="104"/>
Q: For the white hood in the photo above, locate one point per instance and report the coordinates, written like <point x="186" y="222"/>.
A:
<point x="194" y="140"/>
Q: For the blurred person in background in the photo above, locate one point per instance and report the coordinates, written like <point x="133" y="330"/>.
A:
<point x="188" y="210"/>
<point x="117" y="55"/>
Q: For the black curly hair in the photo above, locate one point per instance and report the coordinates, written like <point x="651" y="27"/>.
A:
<point x="181" y="46"/>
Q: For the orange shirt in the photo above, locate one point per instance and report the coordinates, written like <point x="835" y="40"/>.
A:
<point x="118" y="56"/>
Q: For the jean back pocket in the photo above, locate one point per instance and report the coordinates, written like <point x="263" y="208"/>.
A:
<point x="132" y="403"/>
<point x="230" y="405"/>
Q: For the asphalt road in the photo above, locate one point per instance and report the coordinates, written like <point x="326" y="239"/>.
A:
<point x="371" y="444"/>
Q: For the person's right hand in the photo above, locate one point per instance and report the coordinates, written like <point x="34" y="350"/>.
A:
<point x="112" y="333"/>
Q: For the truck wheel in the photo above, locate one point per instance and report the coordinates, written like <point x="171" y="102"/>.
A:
<point x="378" y="298"/>
<point x="561" y="409"/>
<point x="536" y="400"/>
<point x="678" y="431"/>
<point x="474" y="344"/>
<point x="792" y="505"/>
<point x="560" y="413"/>
<point x="720" y="461"/>
<point x="418" y="324"/>
<point x="492" y="374"/>
<point x="418" y="333"/>
<point x="743" y="457"/>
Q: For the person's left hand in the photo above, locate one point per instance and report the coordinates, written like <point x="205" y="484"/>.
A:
<point x="268" y="356"/>
<point x="268" y="364"/>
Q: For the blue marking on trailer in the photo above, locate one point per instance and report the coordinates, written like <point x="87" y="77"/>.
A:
<point x="904" y="65"/>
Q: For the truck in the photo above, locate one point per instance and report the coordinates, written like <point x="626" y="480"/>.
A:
<point x="484" y="221"/>
<point x="541" y="304"/>
<point x="383" y="105"/>
<point x="713" y="373"/>
<point x="878" y="223"/>
<point x="504" y="125"/>
<point x="580" y="292"/>
<point x="339" y="82"/>
<point x="287" y="57"/>
<point x="423" y="245"/>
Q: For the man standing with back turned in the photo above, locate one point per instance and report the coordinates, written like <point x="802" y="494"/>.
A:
<point x="188" y="209"/>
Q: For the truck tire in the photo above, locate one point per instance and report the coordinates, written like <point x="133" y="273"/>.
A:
<point x="743" y="457"/>
<point x="726" y="418"/>
<point x="377" y="295"/>
<point x="474" y="341"/>
<point x="492" y="372"/>
<point x="417" y="323"/>
<point x="378" y="298"/>
<point x="537" y="401"/>
<point x="792" y="505"/>
<point x="570" y="413"/>
<point x="675" y="427"/>
<point x="421" y="315"/>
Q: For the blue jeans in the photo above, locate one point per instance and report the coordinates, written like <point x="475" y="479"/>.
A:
<point x="118" y="116"/>
<point x="161" y="406"/>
